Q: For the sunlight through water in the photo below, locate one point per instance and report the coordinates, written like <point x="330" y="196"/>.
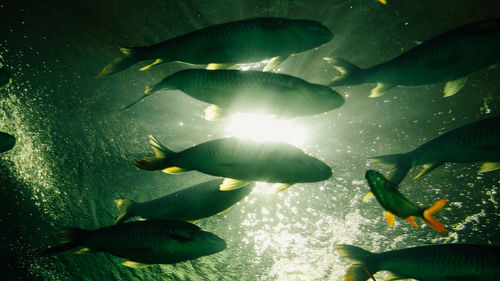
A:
<point x="265" y="128"/>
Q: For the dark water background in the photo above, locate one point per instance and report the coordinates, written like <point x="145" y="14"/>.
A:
<point x="75" y="151"/>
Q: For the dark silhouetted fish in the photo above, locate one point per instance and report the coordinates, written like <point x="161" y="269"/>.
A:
<point x="449" y="57"/>
<point x="475" y="142"/>
<point x="237" y="42"/>
<point x="143" y="242"/>
<point x="449" y="262"/>
<point x="232" y="91"/>
<point x="240" y="162"/>
<point x="193" y="203"/>
<point x="5" y="79"/>
<point x="7" y="142"/>
<point x="394" y="203"/>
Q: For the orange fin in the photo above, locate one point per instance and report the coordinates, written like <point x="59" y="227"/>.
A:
<point x="389" y="217"/>
<point x="430" y="220"/>
<point x="411" y="220"/>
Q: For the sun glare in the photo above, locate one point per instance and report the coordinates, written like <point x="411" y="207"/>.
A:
<point x="265" y="128"/>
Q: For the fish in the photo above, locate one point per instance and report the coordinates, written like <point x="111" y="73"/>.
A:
<point x="475" y="142"/>
<point x="394" y="203"/>
<point x="224" y="45"/>
<point x="240" y="161"/>
<point x="142" y="243"/>
<point x="7" y="142"/>
<point x="5" y="79"/>
<point x="230" y="91"/>
<point x="189" y="204"/>
<point x="449" y="57"/>
<point x="445" y="262"/>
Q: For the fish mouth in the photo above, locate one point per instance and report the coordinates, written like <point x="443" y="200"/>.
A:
<point x="211" y="243"/>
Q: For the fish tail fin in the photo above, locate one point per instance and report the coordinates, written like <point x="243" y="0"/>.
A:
<point x="130" y="57"/>
<point x="400" y="165"/>
<point x="124" y="206"/>
<point x="349" y="73"/>
<point x="157" y="162"/>
<point x="430" y="220"/>
<point x="363" y="268"/>
<point x="69" y="238"/>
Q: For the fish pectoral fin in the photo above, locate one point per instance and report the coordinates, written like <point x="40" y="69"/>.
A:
<point x="427" y="168"/>
<point x="489" y="166"/>
<point x="279" y="187"/>
<point x="134" y="264"/>
<point x="389" y="217"/>
<point x="232" y="184"/>
<point x="274" y="63"/>
<point x="214" y="112"/>
<point x="394" y="277"/>
<point x="156" y="62"/>
<point x="368" y="197"/>
<point x="430" y="220"/>
<point x="175" y="170"/>
<point x="380" y="90"/>
<point x="216" y="66"/>
<point x="452" y="87"/>
<point x="82" y="251"/>
<point x="384" y="2"/>
<point x="411" y="221"/>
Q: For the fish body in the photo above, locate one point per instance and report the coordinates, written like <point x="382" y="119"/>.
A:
<point x="237" y="42"/>
<point x="253" y="92"/>
<point x="475" y="142"/>
<point x="5" y="79"/>
<point x="447" y="262"/>
<point x="241" y="160"/>
<point x="7" y="142"/>
<point x="395" y="203"/>
<point x="449" y="57"/>
<point x="193" y="203"/>
<point x="144" y="242"/>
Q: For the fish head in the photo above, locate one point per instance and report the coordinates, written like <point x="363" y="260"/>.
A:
<point x="4" y="77"/>
<point x="7" y="141"/>
<point x="326" y="97"/>
<point x="311" y="33"/>
<point x="377" y="182"/>
<point x="208" y="243"/>
<point x="304" y="168"/>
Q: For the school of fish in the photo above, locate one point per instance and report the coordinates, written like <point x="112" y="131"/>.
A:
<point x="168" y="234"/>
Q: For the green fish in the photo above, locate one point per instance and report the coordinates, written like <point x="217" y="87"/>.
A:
<point x="449" y="57"/>
<point x="475" y="142"/>
<point x="238" y="42"/>
<point x="240" y="162"/>
<point x="193" y="203"/>
<point x="7" y="142"/>
<point x="447" y="262"/>
<point x="394" y="203"/>
<point x="143" y="242"/>
<point x="5" y="79"/>
<point x="231" y="91"/>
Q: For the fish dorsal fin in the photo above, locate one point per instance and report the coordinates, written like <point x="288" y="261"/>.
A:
<point x="380" y="90"/>
<point x="368" y="197"/>
<point x="430" y="220"/>
<point x="274" y="63"/>
<point x="411" y="221"/>
<point x="214" y="112"/>
<point x="156" y="62"/>
<point x="489" y="166"/>
<point x="175" y="170"/>
<point x="215" y="66"/>
<point x="232" y="184"/>
<point x="82" y="251"/>
<point x="134" y="264"/>
<point x="389" y="217"/>
<point x="427" y="168"/>
<point x="279" y="187"/>
<point x="452" y="87"/>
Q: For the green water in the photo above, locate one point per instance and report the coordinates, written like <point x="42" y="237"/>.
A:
<point x="75" y="150"/>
